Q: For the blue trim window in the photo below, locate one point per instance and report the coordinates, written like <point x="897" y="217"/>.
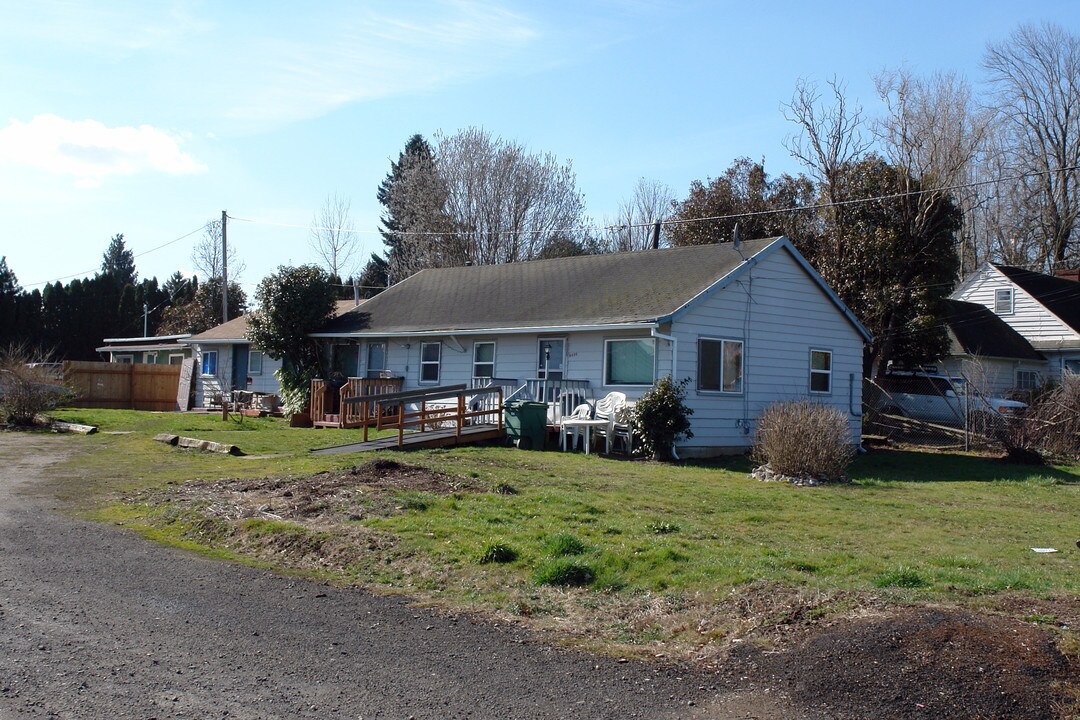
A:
<point x="209" y="362"/>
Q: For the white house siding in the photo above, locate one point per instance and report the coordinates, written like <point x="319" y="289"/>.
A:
<point x="516" y="357"/>
<point x="789" y="316"/>
<point x="207" y="385"/>
<point x="993" y="376"/>
<point x="1029" y="318"/>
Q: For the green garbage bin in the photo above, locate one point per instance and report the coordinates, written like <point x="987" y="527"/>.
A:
<point x="526" y="424"/>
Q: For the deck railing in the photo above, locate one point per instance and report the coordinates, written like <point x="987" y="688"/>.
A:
<point x="330" y="411"/>
<point x="434" y="408"/>
<point x="561" y="394"/>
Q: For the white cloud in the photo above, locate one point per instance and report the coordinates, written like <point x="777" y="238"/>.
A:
<point x="90" y="152"/>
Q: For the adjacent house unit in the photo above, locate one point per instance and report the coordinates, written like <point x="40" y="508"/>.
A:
<point x="160" y="350"/>
<point x="988" y="352"/>
<point x="1043" y="309"/>
<point x="747" y="324"/>
<point x="225" y="361"/>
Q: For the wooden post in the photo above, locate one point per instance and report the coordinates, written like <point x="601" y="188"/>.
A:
<point x="460" y="413"/>
<point x="400" y="425"/>
<point x="423" y="415"/>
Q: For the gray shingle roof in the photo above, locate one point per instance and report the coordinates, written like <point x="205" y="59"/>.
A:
<point x="236" y="329"/>
<point x="609" y="289"/>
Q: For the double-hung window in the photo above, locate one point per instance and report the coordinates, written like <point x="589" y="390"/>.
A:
<point x="255" y="362"/>
<point x="629" y="362"/>
<point x="209" y="362"/>
<point x="430" y="358"/>
<point x="1003" y="301"/>
<point x="483" y="360"/>
<point x="720" y="365"/>
<point x="1027" y="380"/>
<point x="820" y="371"/>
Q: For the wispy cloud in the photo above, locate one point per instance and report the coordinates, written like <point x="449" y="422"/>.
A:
<point x="89" y="152"/>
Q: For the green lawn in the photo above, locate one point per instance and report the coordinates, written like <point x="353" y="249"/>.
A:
<point x="910" y="527"/>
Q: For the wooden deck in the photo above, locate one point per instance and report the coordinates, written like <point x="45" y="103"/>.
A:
<point x="418" y="440"/>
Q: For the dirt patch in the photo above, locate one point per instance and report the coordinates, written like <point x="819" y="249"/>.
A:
<point x="378" y="488"/>
<point x="927" y="663"/>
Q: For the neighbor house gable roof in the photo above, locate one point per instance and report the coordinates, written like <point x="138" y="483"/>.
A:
<point x="235" y="330"/>
<point x="614" y="289"/>
<point x="1061" y="297"/>
<point x="977" y="331"/>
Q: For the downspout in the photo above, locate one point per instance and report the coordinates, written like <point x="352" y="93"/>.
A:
<point x="654" y="332"/>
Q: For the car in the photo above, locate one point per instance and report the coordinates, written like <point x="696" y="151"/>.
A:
<point x="938" y="399"/>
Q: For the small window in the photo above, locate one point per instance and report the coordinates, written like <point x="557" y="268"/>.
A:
<point x="483" y="360"/>
<point x="1003" y="301"/>
<point x="376" y="357"/>
<point x="255" y="361"/>
<point x="151" y="359"/>
<point x="126" y="359"/>
<point x="209" y="362"/>
<point x="720" y="365"/>
<point x="629" y="362"/>
<point x="430" y="355"/>
<point x="820" y="371"/>
<point x="1027" y="380"/>
<point x="1072" y="366"/>
<point x="177" y="359"/>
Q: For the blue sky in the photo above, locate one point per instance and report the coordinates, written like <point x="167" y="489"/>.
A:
<point x="150" y="118"/>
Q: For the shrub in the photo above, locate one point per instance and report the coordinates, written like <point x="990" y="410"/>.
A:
<point x="804" y="439"/>
<point x="26" y="387"/>
<point x="565" y="572"/>
<point x="564" y="544"/>
<point x="497" y="552"/>
<point x="661" y="418"/>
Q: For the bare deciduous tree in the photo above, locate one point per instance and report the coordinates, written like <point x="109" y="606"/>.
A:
<point x="505" y="202"/>
<point x="333" y="238"/>
<point x="633" y="229"/>
<point x="830" y="137"/>
<point x="206" y="255"/>
<point x="1035" y="75"/>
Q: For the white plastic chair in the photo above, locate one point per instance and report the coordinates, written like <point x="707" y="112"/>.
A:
<point x="608" y="408"/>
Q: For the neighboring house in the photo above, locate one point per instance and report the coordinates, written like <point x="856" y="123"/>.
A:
<point x="160" y="350"/>
<point x="1045" y="310"/>
<point x="225" y="360"/>
<point x="987" y="352"/>
<point x="749" y="326"/>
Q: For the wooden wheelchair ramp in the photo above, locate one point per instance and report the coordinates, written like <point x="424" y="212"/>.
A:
<point x="420" y="440"/>
<point x="451" y="415"/>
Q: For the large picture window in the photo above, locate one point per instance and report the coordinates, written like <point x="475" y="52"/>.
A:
<point x="430" y="357"/>
<point x="209" y="362"/>
<point x="820" y="371"/>
<point x="629" y="362"/>
<point x="483" y="360"/>
<point x="720" y="365"/>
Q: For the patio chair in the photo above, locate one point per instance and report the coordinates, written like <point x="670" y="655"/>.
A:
<point x="610" y="408"/>
<point x="569" y="428"/>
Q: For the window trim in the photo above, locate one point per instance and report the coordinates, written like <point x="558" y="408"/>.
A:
<point x="494" y="350"/>
<point x="997" y="302"/>
<point x="742" y="367"/>
<point x="177" y="355"/>
<point x="438" y="364"/>
<point x="828" y="373"/>
<point x="150" y="358"/>
<point x="202" y="363"/>
<point x="607" y="367"/>
<point x="1027" y="371"/>
<point x="262" y="359"/>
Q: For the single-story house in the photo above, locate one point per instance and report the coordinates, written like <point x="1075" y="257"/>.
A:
<point x="988" y="352"/>
<point x="748" y="324"/>
<point x="225" y="360"/>
<point x="160" y="349"/>
<point x="1043" y="309"/>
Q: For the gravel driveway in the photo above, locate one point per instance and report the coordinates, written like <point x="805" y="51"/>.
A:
<point x="96" y="622"/>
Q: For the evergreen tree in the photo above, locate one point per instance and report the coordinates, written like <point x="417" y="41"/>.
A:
<point x="118" y="264"/>
<point x="10" y="291"/>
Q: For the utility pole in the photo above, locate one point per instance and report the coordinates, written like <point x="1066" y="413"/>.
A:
<point x="145" y="318"/>
<point x="224" y="270"/>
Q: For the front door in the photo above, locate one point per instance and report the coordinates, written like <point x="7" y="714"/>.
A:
<point x="240" y="366"/>
<point x="376" y="359"/>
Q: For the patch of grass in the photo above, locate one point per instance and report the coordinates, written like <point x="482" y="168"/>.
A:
<point x="564" y="572"/>
<point x="497" y="552"/>
<point x="662" y="528"/>
<point x="503" y="488"/>
<point x="564" y="544"/>
<point x="417" y="501"/>
<point x="901" y="577"/>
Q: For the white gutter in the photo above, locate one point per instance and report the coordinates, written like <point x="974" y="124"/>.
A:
<point x="674" y="360"/>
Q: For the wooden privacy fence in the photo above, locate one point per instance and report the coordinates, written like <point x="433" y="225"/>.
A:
<point x="123" y="385"/>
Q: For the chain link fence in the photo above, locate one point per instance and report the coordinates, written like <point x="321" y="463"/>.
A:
<point x="933" y="411"/>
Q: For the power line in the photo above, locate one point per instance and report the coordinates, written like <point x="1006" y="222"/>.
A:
<point x="137" y="255"/>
